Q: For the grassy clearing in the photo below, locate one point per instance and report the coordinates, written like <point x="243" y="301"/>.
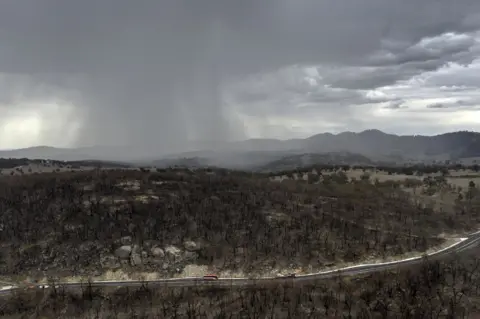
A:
<point x="463" y="182"/>
<point x="193" y="270"/>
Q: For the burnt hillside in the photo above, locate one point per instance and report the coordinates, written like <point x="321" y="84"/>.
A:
<point x="86" y="223"/>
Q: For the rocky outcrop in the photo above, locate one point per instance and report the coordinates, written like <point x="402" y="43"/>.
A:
<point x="191" y="245"/>
<point x="190" y="256"/>
<point x="157" y="252"/>
<point x="135" y="259"/>
<point x="123" y="252"/>
<point x="172" y="251"/>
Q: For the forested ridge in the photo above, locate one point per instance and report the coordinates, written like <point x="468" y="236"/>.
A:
<point x="84" y="224"/>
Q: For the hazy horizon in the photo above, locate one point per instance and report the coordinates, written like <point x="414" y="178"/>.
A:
<point x="212" y="143"/>
<point x="158" y="75"/>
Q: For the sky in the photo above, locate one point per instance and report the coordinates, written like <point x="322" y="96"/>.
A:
<point x="163" y="74"/>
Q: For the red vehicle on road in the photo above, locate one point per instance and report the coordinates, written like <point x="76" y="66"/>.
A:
<point x="280" y="276"/>
<point x="210" y="277"/>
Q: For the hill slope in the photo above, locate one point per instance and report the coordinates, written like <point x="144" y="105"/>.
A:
<point x="370" y="143"/>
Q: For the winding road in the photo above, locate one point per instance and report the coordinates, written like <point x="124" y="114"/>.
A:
<point x="471" y="241"/>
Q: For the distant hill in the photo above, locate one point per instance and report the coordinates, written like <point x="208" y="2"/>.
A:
<point x="57" y="154"/>
<point x="308" y="159"/>
<point x="18" y="162"/>
<point x="225" y="159"/>
<point x="180" y="162"/>
<point x="94" y="153"/>
<point x="346" y="147"/>
<point x="373" y="144"/>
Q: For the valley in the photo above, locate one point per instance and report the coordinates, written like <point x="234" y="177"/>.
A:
<point x="103" y="229"/>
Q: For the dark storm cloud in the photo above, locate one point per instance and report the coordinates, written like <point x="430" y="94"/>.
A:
<point x="401" y="61"/>
<point x="448" y="46"/>
<point x="296" y="92"/>
<point x="365" y="78"/>
<point x="153" y="72"/>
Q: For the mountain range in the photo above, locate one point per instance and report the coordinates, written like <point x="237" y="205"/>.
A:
<point x="373" y="144"/>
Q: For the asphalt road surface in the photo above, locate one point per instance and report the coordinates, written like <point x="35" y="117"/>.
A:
<point x="473" y="240"/>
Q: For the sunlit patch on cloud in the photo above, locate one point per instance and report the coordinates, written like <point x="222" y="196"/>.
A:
<point x="35" y="123"/>
<point x="20" y="131"/>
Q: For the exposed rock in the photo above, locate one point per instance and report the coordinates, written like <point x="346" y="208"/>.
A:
<point x="136" y="249"/>
<point x="135" y="259"/>
<point x="191" y="245"/>
<point x="190" y="255"/>
<point x="172" y="251"/>
<point x="157" y="252"/>
<point x="123" y="252"/>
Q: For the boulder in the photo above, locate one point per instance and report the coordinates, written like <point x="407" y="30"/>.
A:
<point x="191" y="245"/>
<point x="190" y="255"/>
<point x="135" y="259"/>
<point x="172" y="251"/>
<point x="157" y="252"/>
<point x="136" y="249"/>
<point x="123" y="251"/>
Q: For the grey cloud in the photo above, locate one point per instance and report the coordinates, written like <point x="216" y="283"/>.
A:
<point x="248" y="97"/>
<point x="455" y="105"/>
<point x="398" y="61"/>
<point x="440" y="48"/>
<point x="438" y="106"/>
<point x="456" y="88"/>
<point x="396" y="104"/>
<point x="154" y="73"/>
<point x="364" y="78"/>
<point x="470" y="103"/>
<point x="293" y="92"/>
<point x="460" y="77"/>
